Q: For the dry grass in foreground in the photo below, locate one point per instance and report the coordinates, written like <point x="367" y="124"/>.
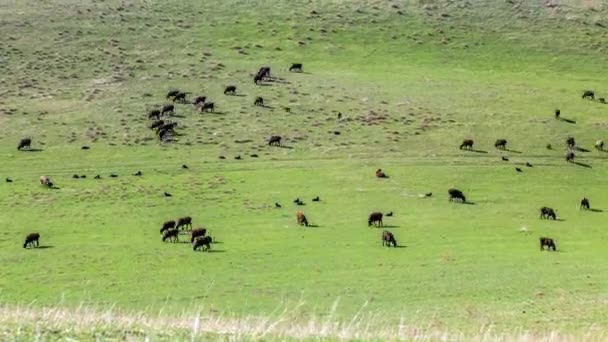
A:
<point x="92" y="323"/>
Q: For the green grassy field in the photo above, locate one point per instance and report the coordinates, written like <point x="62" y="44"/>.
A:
<point x="412" y="80"/>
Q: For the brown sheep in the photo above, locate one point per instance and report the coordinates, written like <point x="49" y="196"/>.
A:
<point x="25" y="142"/>
<point x="169" y="108"/>
<point x="388" y="238"/>
<point x="259" y="101"/>
<point x="547" y="242"/>
<point x="570" y="156"/>
<point x="467" y="144"/>
<point x="31" y="240"/>
<point x="501" y="144"/>
<point x="204" y="242"/>
<point x="184" y="222"/>
<point x="301" y="218"/>
<point x="381" y="174"/>
<point x="230" y="90"/>
<point x="198" y="232"/>
<point x="375" y="218"/>
<point x="171" y="235"/>
<point x="154" y="114"/>
<point x="296" y="67"/>
<point x="167" y="225"/>
<point x="274" y="140"/>
<point x="208" y="107"/>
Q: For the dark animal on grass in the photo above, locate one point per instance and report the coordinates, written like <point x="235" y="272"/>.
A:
<point x="287" y="109"/>
<point x="97" y="177"/>
<point x="589" y="94"/>
<point x="184" y="222"/>
<point x="389" y="214"/>
<point x="274" y="140"/>
<point x="156" y="124"/>
<point x="518" y="169"/>
<point x="204" y="242"/>
<point x="316" y="199"/>
<point x="46" y="180"/>
<point x="602" y="100"/>
<point x="547" y="242"/>
<point x="388" y="238"/>
<point x="138" y="173"/>
<point x="455" y="195"/>
<point x="547" y="213"/>
<point x="171" y="235"/>
<point x="467" y="144"/>
<point x="570" y="142"/>
<point x="198" y="232"/>
<point x="504" y="158"/>
<point x="296" y="67"/>
<point x="381" y="174"/>
<point x="230" y="90"/>
<point x="585" y="203"/>
<point x="599" y="145"/>
<point x="339" y="116"/>
<point x="501" y="144"/>
<point x="181" y="97"/>
<point x="8" y="180"/>
<point x="166" y="135"/>
<point x="24" y="143"/>
<point x="301" y="218"/>
<point x="257" y="79"/>
<point x="557" y="113"/>
<point x="184" y="166"/>
<point x="32" y="240"/>
<point x="258" y="102"/>
<point x="76" y="176"/>
<point x="154" y="114"/>
<point x="198" y="100"/>
<point x="169" y="108"/>
<point x="208" y="107"/>
<point x="570" y="156"/>
<point x="172" y="93"/>
<point x="167" y="194"/>
<point x="374" y="218"/>
<point x="166" y="126"/>
<point x="277" y="205"/>
<point x="528" y="164"/>
<point x="167" y="225"/>
<point x="264" y="72"/>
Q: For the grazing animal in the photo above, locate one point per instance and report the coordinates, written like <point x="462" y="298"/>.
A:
<point x="208" y="107"/>
<point x="257" y="79"/>
<point x="274" y="140"/>
<point x="389" y="214"/>
<point x="528" y="164"/>
<point x="505" y="159"/>
<point x="589" y="94"/>
<point x="157" y="124"/>
<point x="547" y="213"/>
<point x="97" y="177"/>
<point x="166" y="126"/>
<point x="24" y="143"/>
<point x="32" y="240"/>
<point x="46" y="180"/>
<point x="456" y="194"/>
<point x="138" y="173"/>
<point x="277" y="205"/>
<point x="75" y="176"/>
<point x="172" y="93"/>
<point x="184" y="166"/>
<point x="381" y="174"/>
<point x="198" y="232"/>
<point x="184" y="222"/>
<point x="599" y="145"/>
<point x="113" y="175"/>
<point x="467" y="144"/>
<point x="388" y="238"/>
<point x="8" y="180"/>
<point x="167" y="225"/>
<point x="204" y="242"/>
<point x="167" y="194"/>
<point x="168" y="108"/>
<point x="547" y="242"/>
<point x="295" y="67"/>
<point x="339" y="116"/>
<point x="238" y="158"/>
<point x="301" y="218"/>
<point x="171" y="235"/>
<point x="180" y="97"/>
<point x="428" y="194"/>
<point x="501" y="144"/>
<point x="570" y="142"/>
<point x="258" y="101"/>
<point x="264" y="72"/>
<point x="602" y="100"/>
<point x="299" y="202"/>
<point x="585" y="204"/>
<point x="570" y="156"/>
<point x="287" y="109"/>
<point x="518" y="169"/>
<point x="557" y="113"/>
<point x="154" y="114"/>
<point x="198" y="100"/>
<point x="374" y="218"/>
<point x="316" y="199"/>
<point x="230" y="90"/>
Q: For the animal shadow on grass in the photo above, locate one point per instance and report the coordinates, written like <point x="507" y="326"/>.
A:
<point x="33" y="150"/>
<point x="179" y="116"/>
<point x="286" y="146"/>
<point x="55" y="187"/>
<point x="477" y="151"/>
<point x="567" y="120"/>
<point x="582" y="164"/>
<point x="266" y="107"/>
<point x="239" y="95"/>
<point x="389" y="226"/>
<point x="468" y="203"/>
<point x="596" y="210"/>
<point x="44" y="247"/>
<point x="215" y="251"/>
<point x="400" y="246"/>
<point x="580" y="149"/>
<point x="264" y="85"/>
<point x="512" y="151"/>
<point x="559" y="220"/>
<point x="313" y="226"/>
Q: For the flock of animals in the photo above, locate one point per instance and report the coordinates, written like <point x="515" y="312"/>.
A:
<point x="165" y="130"/>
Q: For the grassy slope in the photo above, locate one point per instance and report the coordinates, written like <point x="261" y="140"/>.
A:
<point x="462" y="265"/>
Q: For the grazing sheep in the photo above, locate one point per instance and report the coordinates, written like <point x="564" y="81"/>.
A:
<point x="171" y="235"/>
<point x="32" y="240"/>
<point x="154" y="114"/>
<point x="547" y="213"/>
<point x="295" y="67"/>
<point x="599" y="145"/>
<point x="258" y="101"/>
<point x="204" y="242"/>
<point x="467" y="144"/>
<point x="184" y="222"/>
<point x="570" y="156"/>
<point x="180" y="97"/>
<point x="257" y="79"/>
<point x="167" y="225"/>
<point x="199" y="100"/>
<point x="388" y="238"/>
<point x="455" y="194"/>
<point x="570" y="142"/>
<point x="585" y="204"/>
<point x="381" y="174"/>
<point x="264" y="72"/>
<point x="46" y="180"/>
<point x="589" y="94"/>
<point x="501" y="144"/>
<point x="277" y="205"/>
<point x="230" y="90"/>
<point x="301" y="218"/>
<point x="172" y="93"/>
<point x="168" y="108"/>
<point x="208" y="107"/>
<point x="374" y="218"/>
<point x="24" y="143"/>
<point x="547" y="242"/>
<point x="274" y="140"/>
<point x="198" y="232"/>
<point x="316" y="199"/>
<point x="157" y="124"/>
<point x="557" y="113"/>
<point x="602" y="100"/>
